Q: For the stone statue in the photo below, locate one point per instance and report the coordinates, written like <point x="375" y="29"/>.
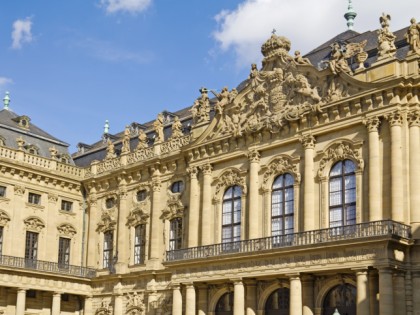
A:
<point x="142" y="140"/>
<point x="158" y="126"/>
<point x="338" y="62"/>
<point x="110" y="150"/>
<point x="223" y="99"/>
<point x="126" y="140"/>
<point x="413" y="36"/>
<point x="176" y="128"/>
<point x="299" y="60"/>
<point x="386" y="39"/>
<point x="201" y="108"/>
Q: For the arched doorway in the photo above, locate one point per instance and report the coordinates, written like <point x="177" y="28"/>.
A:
<point x="225" y="304"/>
<point x="341" y="297"/>
<point x="278" y="302"/>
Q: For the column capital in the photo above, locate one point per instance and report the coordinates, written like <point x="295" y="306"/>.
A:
<point x="206" y="168"/>
<point x="294" y="276"/>
<point x="193" y="171"/>
<point x="156" y="184"/>
<point x="189" y="285"/>
<point x="308" y="141"/>
<point x="176" y="286"/>
<point x="372" y="124"/>
<point x="254" y="156"/>
<point x="237" y="281"/>
<point x="413" y="118"/>
<point x="395" y="118"/>
<point x="56" y="293"/>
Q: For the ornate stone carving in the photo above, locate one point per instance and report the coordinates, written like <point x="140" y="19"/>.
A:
<point x="254" y="156"/>
<point x="108" y="165"/>
<point x="386" y="39"/>
<point x="299" y="60"/>
<point x="413" y="118"/>
<point x="142" y="140"/>
<point x="138" y="215"/>
<point x="158" y="127"/>
<point x="279" y="166"/>
<point x="174" y="208"/>
<point x="135" y="304"/>
<point x="126" y="140"/>
<point x="222" y="99"/>
<point x="193" y="171"/>
<point x="53" y="198"/>
<point x="174" y="144"/>
<point x="340" y="151"/>
<point x="372" y="124"/>
<point x="19" y="190"/>
<point x="4" y="218"/>
<point x="395" y="118"/>
<point x="66" y="229"/>
<point x="339" y="55"/>
<point x="140" y="155"/>
<point x="176" y="128"/>
<point x="110" y="150"/>
<point x="34" y="224"/>
<point x="230" y="178"/>
<point x="21" y="143"/>
<point x="104" y="309"/>
<point x="156" y="184"/>
<point x="207" y="169"/>
<point x="413" y="36"/>
<point x="200" y="111"/>
<point x="308" y="141"/>
<point x="107" y="222"/>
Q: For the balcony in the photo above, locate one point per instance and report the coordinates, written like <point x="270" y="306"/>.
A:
<point x="46" y="266"/>
<point x="368" y="230"/>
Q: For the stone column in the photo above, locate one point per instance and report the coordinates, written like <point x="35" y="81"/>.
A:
<point x="88" y="307"/>
<point x="308" y="142"/>
<point x="20" y="301"/>
<point x="308" y="295"/>
<point x="386" y="292"/>
<point x="118" y="304"/>
<point x="254" y="206"/>
<point x="122" y="232"/>
<point x="156" y="224"/>
<point x="397" y="202"/>
<point x="238" y="298"/>
<point x="251" y="298"/>
<point x="295" y="295"/>
<point x="92" y="257"/>
<point x="414" y="123"/>
<point x="194" y="209"/>
<point x="373" y="293"/>
<point x="190" y="299"/>
<point x="202" y="300"/>
<point x="375" y="212"/>
<point x="56" y="303"/>
<point x="399" y="293"/>
<point x="206" y="206"/>
<point x="177" y="300"/>
<point x="363" y="305"/>
<point x="415" y="278"/>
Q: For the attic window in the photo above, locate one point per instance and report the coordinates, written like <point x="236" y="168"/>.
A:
<point x="65" y="158"/>
<point x="23" y="121"/>
<point x="32" y="149"/>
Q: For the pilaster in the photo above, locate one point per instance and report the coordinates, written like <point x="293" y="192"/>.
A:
<point x="308" y="142"/>
<point x="253" y="218"/>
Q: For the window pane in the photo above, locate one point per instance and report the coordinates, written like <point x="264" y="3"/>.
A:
<point x="288" y="207"/>
<point x="237" y="192"/>
<point x="336" y="169"/>
<point x="228" y="193"/>
<point x="349" y="166"/>
<point x="288" y="194"/>
<point x="289" y="224"/>
<point x="335" y="184"/>
<point x="350" y="181"/>
<point x="350" y="196"/>
<point x="335" y="198"/>
<point x="336" y="215"/>
<point x="289" y="181"/>
<point x="278" y="182"/>
<point x="275" y="209"/>
<point x="277" y="196"/>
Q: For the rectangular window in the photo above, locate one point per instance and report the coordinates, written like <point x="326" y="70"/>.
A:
<point x="63" y="252"/>
<point x="139" y="244"/>
<point x="66" y="205"/>
<point x="108" y="248"/>
<point x="34" y="198"/>
<point x="1" y="240"/>
<point x="2" y="191"/>
<point x="175" y="234"/>
<point x="31" y="249"/>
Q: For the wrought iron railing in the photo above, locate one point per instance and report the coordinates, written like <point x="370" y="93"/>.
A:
<point x="356" y="231"/>
<point x="46" y="266"/>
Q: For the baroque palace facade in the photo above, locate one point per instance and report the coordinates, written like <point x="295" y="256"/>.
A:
<point x="295" y="193"/>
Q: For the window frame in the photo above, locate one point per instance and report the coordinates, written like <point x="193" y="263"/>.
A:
<point x="139" y="254"/>
<point x="108" y="249"/>
<point x="175" y="233"/>
<point x="142" y="194"/>
<point x="3" y="190"/>
<point x="66" y="202"/>
<point x="230" y="201"/>
<point x="282" y="213"/>
<point x="1" y="239"/>
<point x="177" y="187"/>
<point x="31" y="248"/>
<point x="110" y="202"/>
<point x="34" y="198"/>
<point x="64" y="247"/>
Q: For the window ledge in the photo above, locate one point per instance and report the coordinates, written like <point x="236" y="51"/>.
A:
<point x="67" y="212"/>
<point x="33" y="205"/>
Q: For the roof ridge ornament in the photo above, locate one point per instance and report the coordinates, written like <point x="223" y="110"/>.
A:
<point x="350" y="15"/>
<point x="106" y="127"/>
<point x="6" y="101"/>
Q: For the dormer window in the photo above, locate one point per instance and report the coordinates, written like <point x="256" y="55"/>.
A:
<point x="32" y="149"/>
<point x="23" y="121"/>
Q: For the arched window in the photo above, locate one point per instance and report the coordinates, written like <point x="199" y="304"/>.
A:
<point x="282" y="205"/>
<point x="342" y="298"/>
<point x="225" y="304"/>
<point x="342" y="190"/>
<point x="231" y="215"/>
<point x="175" y="234"/>
<point x="278" y="302"/>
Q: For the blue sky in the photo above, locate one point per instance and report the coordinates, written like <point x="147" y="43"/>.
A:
<point x="70" y="65"/>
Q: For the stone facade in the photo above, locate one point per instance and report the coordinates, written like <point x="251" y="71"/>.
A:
<point x="295" y="194"/>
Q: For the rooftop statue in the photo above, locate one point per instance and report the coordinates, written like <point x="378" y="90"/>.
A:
<point x="299" y="60"/>
<point x="386" y="39"/>
<point x="413" y="36"/>
<point x="126" y="140"/>
<point x="110" y="150"/>
<point x="222" y="99"/>
<point x="201" y="108"/>
<point x="176" y="128"/>
<point x="341" y="53"/>
<point x="158" y="126"/>
<point x="142" y="140"/>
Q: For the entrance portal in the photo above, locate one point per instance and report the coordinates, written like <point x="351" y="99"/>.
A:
<point x="342" y="298"/>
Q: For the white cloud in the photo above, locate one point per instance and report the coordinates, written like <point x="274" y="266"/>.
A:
<point x="130" y="6"/>
<point x="22" y="33"/>
<point x="5" y="81"/>
<point x="306" y="23"/>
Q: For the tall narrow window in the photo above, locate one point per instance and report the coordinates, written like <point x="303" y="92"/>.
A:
<point x="63" y="252"/>
<point x="1" y="240"/>
<point x="342" y="194"/>
<point x="282" y="205"/>
<point x="108" y="248"/>
<point x="139" y="244"/>
<point x="231" y="213"/>
<point x="31" y="249"/>
<point x="175" y="234"/>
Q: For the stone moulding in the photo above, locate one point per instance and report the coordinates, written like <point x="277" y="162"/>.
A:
<point x="66" y="229"/>
<point x="138" y="215"/>
<point x="34" y="224"/>
<point x="174" y="208"/>
<point x="174" y="144"/>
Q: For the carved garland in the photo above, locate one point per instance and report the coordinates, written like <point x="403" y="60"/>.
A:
<point x="4" y="218"/>
<point x="340" y="151"/>
<point x="174" y="208"/>
<point x="34" y="224"/>
<point x="135" y="304"/>
<point x="67" y="230"/>
<point x="231" y="178"/>
<point x="138" y="215"/>
<point x="107" y="222"/>
<point x="279" y="166"/>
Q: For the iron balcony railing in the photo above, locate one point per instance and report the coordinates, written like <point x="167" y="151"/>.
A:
<point x="356" y="231"/>
<point x="47" y="266"/>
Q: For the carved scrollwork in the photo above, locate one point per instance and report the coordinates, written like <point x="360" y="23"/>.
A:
<point x="230" y="178"/>
<point x="193" y="171"/>
<point x="67" y="230"/>
<point x="53" y="198"/>
<point x="395" y="118"/>
<point x="104" y="309"/>
<point x="279" y="166"/>
<point x="34" y="224"/>
<point x="340" y="151"/>
<point x="138" y="215"/>
<point x="372" y="124"/>
<point x="135" y="304"/>
<point x="107" y="222"/>
<point x="413" y="118"/>
<point x="174" y="207"/>
<point x="19" y="190"/>
<point x="254" y="156"/>
<point x="4" y="218"/>
<point x="308" y="141"/>
<point x="174" y="144"/>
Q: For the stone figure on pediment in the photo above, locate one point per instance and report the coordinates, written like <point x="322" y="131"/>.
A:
<point x="176" y="128"/>
<point x="386" y="39"/>
<point x="142" y="140"/>
<point x="126" y="140"/>
<point x="299" y="60"/>
<point x="158" y="127"/>
<point x="222" y="99"/>
<point x="200" y="110"/>
<point x="413" y="36"/>
<point x="110" y="150"/>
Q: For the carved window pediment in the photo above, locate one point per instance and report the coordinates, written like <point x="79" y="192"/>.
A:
<point x="66" y="229"/>
<point x="108" y="222"/>
<point x="230" y="178"/>
<point x="279" y="166"/>
<point x="174" y="208"/>
<point x="138" y="215"/>
<point x="34" y="224"/>
<point x="4" y="218"/>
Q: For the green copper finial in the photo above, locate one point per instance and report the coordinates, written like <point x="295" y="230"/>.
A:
<point x="106" y="127"/>
<point x="350" y="15"/>
<point x="6" y="101"/>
